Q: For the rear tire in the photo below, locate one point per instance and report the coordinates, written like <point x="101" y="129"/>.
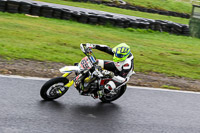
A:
<point x="108" y="99"/>
<point x="53" y="85"/>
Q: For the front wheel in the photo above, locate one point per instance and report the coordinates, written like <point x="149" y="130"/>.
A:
<point x="54" y="88"/>
<point x="108" y="99"/>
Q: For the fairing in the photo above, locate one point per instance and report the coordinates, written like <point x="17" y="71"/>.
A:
<point x="85" y="63"/>
<point x="69" y="69"/>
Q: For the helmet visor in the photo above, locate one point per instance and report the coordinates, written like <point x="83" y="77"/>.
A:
<point x="121" y="55"/>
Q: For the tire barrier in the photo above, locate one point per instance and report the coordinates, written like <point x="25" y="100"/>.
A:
<point x="90" y="16"/>
<point x="137" y="8"/>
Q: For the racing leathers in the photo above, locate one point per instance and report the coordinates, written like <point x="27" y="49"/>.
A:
<point x="122" y="70"/>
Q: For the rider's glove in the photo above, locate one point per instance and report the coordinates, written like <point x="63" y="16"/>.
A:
<point x="82" y="47"/>
<point x="108" y="73"/>
<point x="88" y="45"/>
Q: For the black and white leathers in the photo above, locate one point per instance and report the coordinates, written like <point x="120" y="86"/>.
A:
<point x="122" y="70"/>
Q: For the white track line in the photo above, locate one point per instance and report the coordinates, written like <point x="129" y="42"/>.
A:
<point x="160" y="89"/>
<point x="134" y="87"/>
<point x="23" y="77"/>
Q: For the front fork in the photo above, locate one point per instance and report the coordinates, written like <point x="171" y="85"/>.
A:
<point x="70" y="83"/>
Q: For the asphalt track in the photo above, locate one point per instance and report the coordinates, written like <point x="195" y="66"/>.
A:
<point x="139" y="110"/>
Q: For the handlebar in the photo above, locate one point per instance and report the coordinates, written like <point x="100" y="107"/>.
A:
<point x="88" y="52"/>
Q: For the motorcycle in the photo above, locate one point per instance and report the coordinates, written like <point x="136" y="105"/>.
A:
<point x="89" y="80"/>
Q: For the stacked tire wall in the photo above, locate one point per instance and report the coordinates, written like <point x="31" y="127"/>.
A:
<point x="90" y="16"/>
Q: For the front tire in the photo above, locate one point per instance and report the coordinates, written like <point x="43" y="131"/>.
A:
<point x="108" y="99"/>
<point x="50" y="88"/>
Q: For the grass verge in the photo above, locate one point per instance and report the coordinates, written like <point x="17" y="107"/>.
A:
<point x="59" y="40"/>
<point x="171" y="87"/>
<point x="169" y="5"/>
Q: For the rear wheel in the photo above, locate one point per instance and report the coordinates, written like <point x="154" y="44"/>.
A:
<point x="54" y="88"/>
<point x="108" y="99"/>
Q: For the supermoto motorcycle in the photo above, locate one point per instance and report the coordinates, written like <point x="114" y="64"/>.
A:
<point x="89" y="80"/>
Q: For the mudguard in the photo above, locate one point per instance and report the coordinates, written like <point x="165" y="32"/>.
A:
<point x="69" y="69"/>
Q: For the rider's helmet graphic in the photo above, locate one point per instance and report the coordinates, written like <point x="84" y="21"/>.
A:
<point x="121" y="52"/>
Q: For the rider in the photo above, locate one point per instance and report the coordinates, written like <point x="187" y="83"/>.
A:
<point x="120" y="69"/>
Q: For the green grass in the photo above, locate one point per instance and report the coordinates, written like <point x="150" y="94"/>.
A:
<point x="169" y="5"/>
<point x="171" y="87"/>
<point x="120" y="11"/>
<point x="59" y="41"/>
